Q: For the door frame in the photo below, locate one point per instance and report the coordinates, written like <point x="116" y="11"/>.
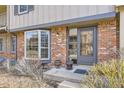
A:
<point x="79" y="30"/>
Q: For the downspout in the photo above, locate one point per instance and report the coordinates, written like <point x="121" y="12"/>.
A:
<point x="6" y="31"/>
<point x="118" y="40"/>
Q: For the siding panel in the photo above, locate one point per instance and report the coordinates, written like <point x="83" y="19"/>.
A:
<point x="52" y="14"/>
<point x="46" y="14"/>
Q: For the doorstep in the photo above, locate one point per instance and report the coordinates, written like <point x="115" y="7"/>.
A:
<point x="61" y="74"/>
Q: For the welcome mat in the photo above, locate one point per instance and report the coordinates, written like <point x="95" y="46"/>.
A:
<point x="81" y="71"/>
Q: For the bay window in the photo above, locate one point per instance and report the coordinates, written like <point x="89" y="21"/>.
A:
<point x="37" y="44"/>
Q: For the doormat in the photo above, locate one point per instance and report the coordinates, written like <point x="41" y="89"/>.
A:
<point x="81" y="71"/>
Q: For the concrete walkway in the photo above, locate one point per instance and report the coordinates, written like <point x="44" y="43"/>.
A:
<point x="67" y="84"/>
<point x="63" y="74"/>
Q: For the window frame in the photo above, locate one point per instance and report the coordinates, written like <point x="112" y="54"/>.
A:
<point x="23" y="11"/>
<point x="39" y="45"/>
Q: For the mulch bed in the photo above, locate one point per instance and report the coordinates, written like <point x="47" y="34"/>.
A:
<point x="9" y="80"/>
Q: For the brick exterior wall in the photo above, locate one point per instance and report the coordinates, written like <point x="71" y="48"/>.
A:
<point x="58" y="44"/>
<point x="20" y="45"/>
<point x="106" y="40"/>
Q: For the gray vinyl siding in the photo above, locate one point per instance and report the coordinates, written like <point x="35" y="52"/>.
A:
<point x="46" y="14"/>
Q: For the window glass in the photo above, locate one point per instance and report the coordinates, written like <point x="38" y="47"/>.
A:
<point x="86" y="43"/>
<point x="23" y="8"/>
<point x="13" y="43"/>
<point x="32" y="44"/>
<point x="73" y="45"/>
<point x="1" y="44"/>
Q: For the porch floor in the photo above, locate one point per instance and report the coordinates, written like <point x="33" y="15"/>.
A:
<point x="62" y="74"/>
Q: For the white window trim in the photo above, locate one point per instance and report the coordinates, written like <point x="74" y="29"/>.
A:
<point x="23" y="11"/>
<point x="39" y="45"/>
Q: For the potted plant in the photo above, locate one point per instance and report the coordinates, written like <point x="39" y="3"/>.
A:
<point x="69" y="64"/>
<point x="58" y="62"/>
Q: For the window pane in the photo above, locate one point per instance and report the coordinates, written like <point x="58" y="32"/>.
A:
<point x="13" y="43"/>
<point x="72" y="43"/>
<point x="32" y="44"/>
<point x="86" y="43"/>
<point x="44" y="53"/>
<point x="44" y="39"/>
<point x="44" y="45"/>
<point x="23" y="8"/>
<point x="1" y="44"/>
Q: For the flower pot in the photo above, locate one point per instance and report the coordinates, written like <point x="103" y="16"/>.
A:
<point x="57" y="63"/>
<point x="69" y="65"/>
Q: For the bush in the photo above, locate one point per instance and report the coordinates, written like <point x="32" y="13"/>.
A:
<point x="22" y="74"/>
<point x="27" y="68"/>
<point x="105" y="75"/>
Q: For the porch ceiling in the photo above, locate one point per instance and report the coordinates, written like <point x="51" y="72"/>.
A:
<point x="3" y="8"/>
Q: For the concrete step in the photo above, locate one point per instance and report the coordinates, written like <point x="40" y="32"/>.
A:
<point x="68" y="84"/>
<point x="58" y="75"/>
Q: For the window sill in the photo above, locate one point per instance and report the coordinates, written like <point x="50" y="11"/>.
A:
<point x="21" y="13"/>
<point x="37" y="59"/>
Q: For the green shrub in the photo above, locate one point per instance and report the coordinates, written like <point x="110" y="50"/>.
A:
<point x="105" y="75"/>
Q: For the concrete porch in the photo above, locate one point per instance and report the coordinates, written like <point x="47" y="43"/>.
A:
<point x="62" y="74"/>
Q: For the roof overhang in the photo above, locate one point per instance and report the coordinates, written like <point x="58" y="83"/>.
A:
<point x="68" y="22"/>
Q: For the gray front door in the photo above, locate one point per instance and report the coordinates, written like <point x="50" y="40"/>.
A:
<point x="86" y="46"/>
